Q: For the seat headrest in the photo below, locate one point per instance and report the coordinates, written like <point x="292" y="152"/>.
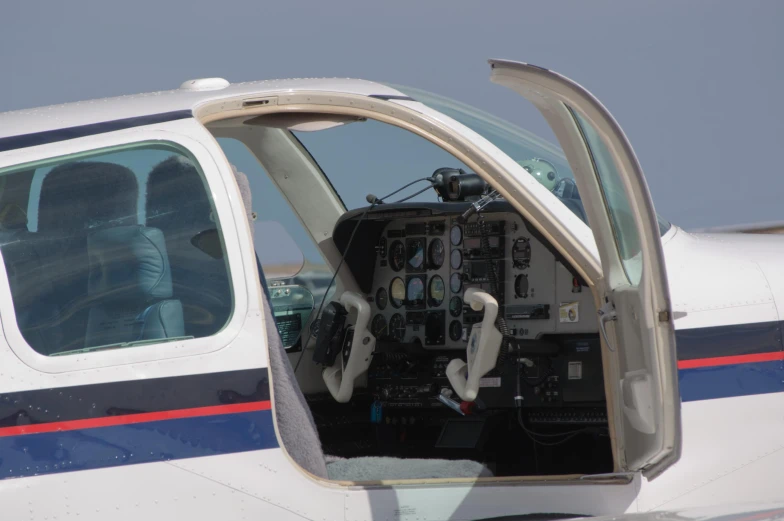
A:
<point x="87" y="195"/>
<point x="129" y="263"/>
<point x="176" y="196"/>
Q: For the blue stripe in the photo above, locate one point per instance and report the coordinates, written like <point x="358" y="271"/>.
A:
<point x="724" y="381"/>
<point x="733" y="340"/>
<point x="63" y="134"/>
<point x="53" y="452"/>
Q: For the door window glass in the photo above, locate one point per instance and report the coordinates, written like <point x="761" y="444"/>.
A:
<point x="627" y="238"/>
<point x="530" y="151"/>
<point x="296" y="272"/>
<point x="112" y="249"/>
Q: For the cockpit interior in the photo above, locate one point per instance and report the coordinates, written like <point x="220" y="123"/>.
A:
<point x="464" y="334"/>
<point x="543" y="396"/>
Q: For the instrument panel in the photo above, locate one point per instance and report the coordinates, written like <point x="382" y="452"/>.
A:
<point x="423" y="265"/>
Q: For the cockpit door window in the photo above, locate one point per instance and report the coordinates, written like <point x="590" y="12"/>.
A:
<point x="636" y="307"/>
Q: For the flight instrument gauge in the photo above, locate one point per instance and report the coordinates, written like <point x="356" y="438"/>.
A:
<point x="397" y="327"/>
<point x="397" y="292"/>
<point x="381" y="298"/>
<point x="455" y="330"/>
<point x="455" y="283"/>
<point x="521" y="253"/>
<point x="456" y="259"/>
<point x="455" y="306"/>
<point x="415" y="254"/>
<point x="435" y="254"/>
<point x="397" y="255"/>
<point x="521" y="286"/>
<point x="456" y="235"/>
<point x="415" y="293"/>
<point x="379" y="326"/>
<point x="436" y="291"/>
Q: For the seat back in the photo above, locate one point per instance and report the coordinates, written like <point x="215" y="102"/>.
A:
<point x="31" y="291"/>
<point x="178" y="204"/>
<point x="130" y="287"/>
<point x="77" y="199"/>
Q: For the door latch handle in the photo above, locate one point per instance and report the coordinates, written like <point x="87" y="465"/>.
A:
<point x="607" y="314"/>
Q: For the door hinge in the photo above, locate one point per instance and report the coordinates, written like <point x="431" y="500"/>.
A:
<point x="664" y="316"/>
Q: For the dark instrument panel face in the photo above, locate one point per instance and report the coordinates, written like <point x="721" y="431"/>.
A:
<point x="429" y="262"/>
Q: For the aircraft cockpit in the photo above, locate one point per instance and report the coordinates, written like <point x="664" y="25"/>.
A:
<point x="424" y="315"/>
<point x="469" y="337"/>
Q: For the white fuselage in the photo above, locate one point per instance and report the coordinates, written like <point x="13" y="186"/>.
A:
<point x="726" y="293"/>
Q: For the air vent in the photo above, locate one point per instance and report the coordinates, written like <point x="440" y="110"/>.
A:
<point x="259" y="102"/>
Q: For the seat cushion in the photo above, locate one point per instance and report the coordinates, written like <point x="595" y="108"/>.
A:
<point x="129" y="263"/>
<point x="124" y="322"/>
<point x="382" y="468"/>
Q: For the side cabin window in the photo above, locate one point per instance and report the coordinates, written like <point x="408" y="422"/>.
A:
<point x="113" y="248"/>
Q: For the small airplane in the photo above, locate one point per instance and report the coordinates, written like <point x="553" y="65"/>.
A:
<point x="205" y="315"/>
<point x="745" y="512"/>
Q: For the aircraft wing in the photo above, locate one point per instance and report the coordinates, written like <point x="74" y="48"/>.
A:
<point x="761" y="227"/>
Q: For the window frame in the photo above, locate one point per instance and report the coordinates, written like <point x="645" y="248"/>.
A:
<point x="226" y="214"/>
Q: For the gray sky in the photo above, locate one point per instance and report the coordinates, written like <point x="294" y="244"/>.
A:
<point x="695" y="85"/>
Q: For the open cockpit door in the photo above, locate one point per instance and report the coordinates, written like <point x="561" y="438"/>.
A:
<point x="635" y="314"/>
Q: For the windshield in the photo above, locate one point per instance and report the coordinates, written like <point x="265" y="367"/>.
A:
<point x="372" y="157"/>
<point x="540" y="158"/>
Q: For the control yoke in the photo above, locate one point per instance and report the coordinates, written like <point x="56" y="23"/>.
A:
<point x="482" y="350"/>
<point x="354" y="357"/>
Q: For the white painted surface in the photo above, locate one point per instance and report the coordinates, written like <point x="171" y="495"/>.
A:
<point x="732" y="447"/>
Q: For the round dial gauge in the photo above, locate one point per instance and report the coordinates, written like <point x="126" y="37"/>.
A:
<point x="455" y="306"/>
<point x="521" y="286"/>
<point x="415" y="253"/>
<point x="435" y="254"/>
<point x="456" y="235"/>
<point x="455" y="283"/>
<point x="397" y="292"/>
<point x="381" y="298"/>
<point x="521" y="253"/>
<point x="397" y="327"/>
<point x="436" y="291"/>
<point x="379" y="326"/>
<point x="415" y="292"/>
<point x="456" y="259"/>
<point x="397" y="255"/>
<point x="455" y="330"/>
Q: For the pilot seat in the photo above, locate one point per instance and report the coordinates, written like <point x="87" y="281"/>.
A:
<point x="131" y="283"/>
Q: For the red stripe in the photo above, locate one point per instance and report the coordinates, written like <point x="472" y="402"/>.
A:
<point x="731" y="360"/>
<point x="128" y="419"/>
